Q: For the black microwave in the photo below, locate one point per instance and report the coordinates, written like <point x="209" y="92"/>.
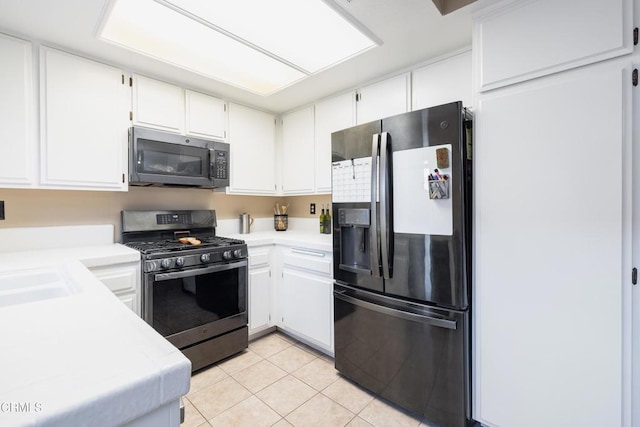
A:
<point x="159" y="158"/>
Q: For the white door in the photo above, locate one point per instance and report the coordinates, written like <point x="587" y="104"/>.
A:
<point x="552" y="254"/>
<point x="158" y="104"/>
<point x="306" y="303"/>
<point x="298" y="151"/>
<point x="384" y="99"/>
<point x="253" y="151"/>
<point x="206" y="116"/>
<point x="84" y="123"/>
<point x="18" y="132"/>
<point x="259" y="299"/>
<point x="331" y="115"/>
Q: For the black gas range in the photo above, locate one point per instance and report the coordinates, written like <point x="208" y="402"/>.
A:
<point x="194" y="283"/>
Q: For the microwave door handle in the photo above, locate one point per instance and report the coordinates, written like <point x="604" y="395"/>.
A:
<point x="373" y="229"/>
<point x="385" y="192"/>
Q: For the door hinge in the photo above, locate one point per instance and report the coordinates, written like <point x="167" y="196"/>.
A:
<point x="123" y="79"/>
<point x="634" y="77"/>
<point x="130" y="115"/>
<point x="634" y="276"/>
<point x="635" y="36"/>
<point x="358" y="97"/>
<point x="123" y="178"/>
<point x="130" y="81"/>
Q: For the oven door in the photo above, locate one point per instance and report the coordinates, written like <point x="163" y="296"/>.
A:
<point x="190" y="306"/>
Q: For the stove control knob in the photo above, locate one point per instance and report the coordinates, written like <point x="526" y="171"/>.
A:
<point x="205" y="258"/>
<point x="150" y="266"/>
<point x="227" y="255"/>
<point x="165" y="263"/>
<point x="179" y="262"/>
<point x="237" y="253"/>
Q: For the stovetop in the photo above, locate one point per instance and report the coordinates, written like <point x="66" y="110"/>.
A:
<point x="208" y="242"/>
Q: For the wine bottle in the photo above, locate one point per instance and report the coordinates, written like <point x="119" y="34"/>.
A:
<point x="327" y="221"/>
<point x="322" y="219"/>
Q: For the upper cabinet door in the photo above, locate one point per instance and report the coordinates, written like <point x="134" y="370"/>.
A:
<point x="158" y="104"/>
<point x="510" y="48"/>
<point x="84" y="121"/>
<point x="331" y="115"/>
<point x="298" y="165"/>
<point x="442" y="82"/>
<point x="384" y="99"/>
<point x="17" y="133"/>
<point x="252" y="136"/>
<point x="206" y="116"/>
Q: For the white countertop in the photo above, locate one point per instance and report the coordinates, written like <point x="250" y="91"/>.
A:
<point x="84" y="359"/>
<point x="317" y="241"/>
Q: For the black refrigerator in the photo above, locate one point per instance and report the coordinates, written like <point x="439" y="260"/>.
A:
<point x="401" y="192"/>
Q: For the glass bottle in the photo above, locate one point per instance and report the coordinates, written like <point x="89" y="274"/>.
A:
<point x="322" y="218"/>
<point x="327" y="221"/>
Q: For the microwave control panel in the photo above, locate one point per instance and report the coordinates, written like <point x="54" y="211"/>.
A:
<point x="220" y="165"/>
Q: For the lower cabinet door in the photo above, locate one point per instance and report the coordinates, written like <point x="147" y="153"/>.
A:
<point x="259" y="299"/>
<point x="307" y="306"/>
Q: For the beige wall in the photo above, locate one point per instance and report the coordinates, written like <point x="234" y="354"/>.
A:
<point x="37" y="208"/>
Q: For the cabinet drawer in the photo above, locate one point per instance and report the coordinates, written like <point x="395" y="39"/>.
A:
<point x="259" y="257"/>
<point x="118" y="279"/>
<point x="309" y="259"/>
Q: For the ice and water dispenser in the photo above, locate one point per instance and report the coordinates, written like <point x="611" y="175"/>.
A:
<point x="354" y="240"/>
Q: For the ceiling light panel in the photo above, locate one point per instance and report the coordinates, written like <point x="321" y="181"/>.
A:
<point x="258" y="45"/>
<point x="307" y="33"/>
<point x="150" y="28"/>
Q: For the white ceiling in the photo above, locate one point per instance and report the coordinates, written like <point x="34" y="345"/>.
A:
<point x="412" y="31"/>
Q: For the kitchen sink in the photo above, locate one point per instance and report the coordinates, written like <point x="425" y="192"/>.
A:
<point x="26" y="286"/>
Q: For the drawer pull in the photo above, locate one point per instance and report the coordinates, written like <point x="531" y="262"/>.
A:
<point x="308" y="252"/>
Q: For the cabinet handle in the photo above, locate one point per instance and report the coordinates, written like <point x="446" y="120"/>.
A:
<point x="308" y="252"/>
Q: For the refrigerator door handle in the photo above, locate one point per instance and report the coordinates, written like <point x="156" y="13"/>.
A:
<point x="433" y="321"/>
<point x="385" y="199"/>
<point x="374" y="243"/>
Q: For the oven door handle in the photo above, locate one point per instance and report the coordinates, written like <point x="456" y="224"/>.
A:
<point x="198" y="271"/>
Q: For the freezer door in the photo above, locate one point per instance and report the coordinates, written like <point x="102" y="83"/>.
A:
<point x="409" y="354"/>
<point x="429" y="238"/>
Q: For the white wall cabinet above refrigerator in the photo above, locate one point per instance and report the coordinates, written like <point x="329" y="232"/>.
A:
<point x="331" y="115"/>
<point x="18" y="133"/>
<point x="441" y="82"/>
<point x="384" y="99"/>
<point x="573" y="33"/>
<point x="83" y="123"/>
<point x="252" y="137"/>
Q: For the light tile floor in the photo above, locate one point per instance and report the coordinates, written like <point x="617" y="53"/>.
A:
<point x="280" y="382"/>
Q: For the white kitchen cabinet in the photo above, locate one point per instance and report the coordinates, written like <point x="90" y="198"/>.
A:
<point x="84" y="120"/>
<point x="158" y="105"/>
<point x="260" y="300"/>
<point x="251" y="134"/>
<point x="552" y="305"/>
<point x="305" y="296"/>
<point x="298" y="148"/>
<point x="383" y="99"/>
<point x="17" y="108"/>
<point x="331" y="115"/>
<point x="441" y="82"/>
<point x="124" y="281"/>
<point x="517" y="41"/>
<point x="206" y="116"/>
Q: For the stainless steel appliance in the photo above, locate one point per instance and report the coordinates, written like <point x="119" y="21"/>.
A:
<point x="194" y="283"/>
<point x="159" y="158"/>
<point x="401" y="245"/>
